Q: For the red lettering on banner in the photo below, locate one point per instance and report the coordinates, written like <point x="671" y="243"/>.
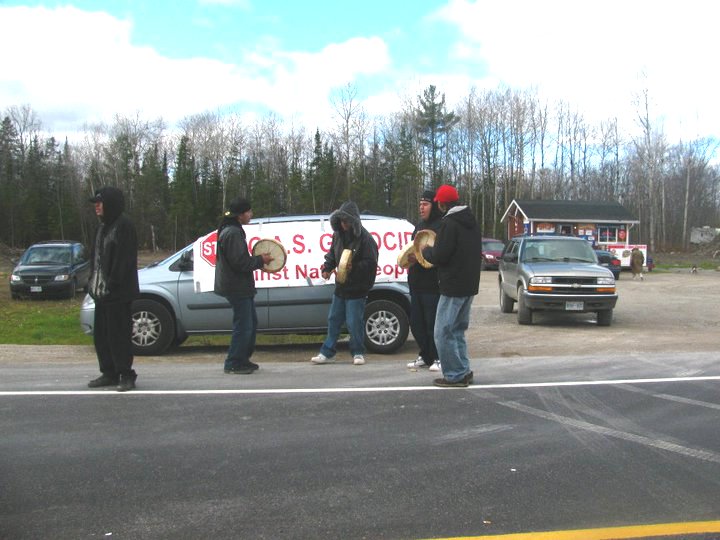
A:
<point x="208" y="248"/>
<point x="298" y="244"/>
<point x="325" y="241"/>
<point x="392" y="237"/>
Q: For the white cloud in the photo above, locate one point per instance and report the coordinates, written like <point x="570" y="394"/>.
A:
<point x="599" y="55"/>
<point x="244" y="4"/>
<point x="73" y="66"/>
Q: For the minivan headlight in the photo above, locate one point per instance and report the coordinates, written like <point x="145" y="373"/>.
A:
<point x="62" y="277"/>
<point x="14" y="278"/>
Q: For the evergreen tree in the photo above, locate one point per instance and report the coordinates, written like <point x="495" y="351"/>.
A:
<point x="10" y="201"/>
<point x="151" y="196"/>
<point x="183" y="196"/>
<point x="432" y="123"/>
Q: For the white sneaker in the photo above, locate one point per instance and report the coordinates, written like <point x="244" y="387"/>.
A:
<point x="416" y="364"/>
<point x="322" y="359"/>
<point x="358" y="360"/>
<point x="436" y="366"/>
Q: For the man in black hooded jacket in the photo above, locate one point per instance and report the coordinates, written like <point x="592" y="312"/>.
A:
<point x="348" y="302"/>
<point x="113" y="285"/>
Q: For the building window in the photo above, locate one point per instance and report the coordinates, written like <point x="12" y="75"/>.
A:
<point x="608" y="234"/>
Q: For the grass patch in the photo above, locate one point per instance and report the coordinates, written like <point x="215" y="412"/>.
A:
<point x="703" y="265"/>
<point x="57" y="322"/>
<point x="40" y="322"/>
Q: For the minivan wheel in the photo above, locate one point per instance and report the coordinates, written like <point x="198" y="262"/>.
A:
<point x="386" y="326"/>
<point x="153" y="329"/>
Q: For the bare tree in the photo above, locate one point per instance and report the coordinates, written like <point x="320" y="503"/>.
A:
<point x="651" y="148"/>
<point x="347" y="109"/>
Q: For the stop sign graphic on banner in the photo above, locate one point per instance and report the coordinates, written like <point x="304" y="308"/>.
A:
<point x="208" y="248"/>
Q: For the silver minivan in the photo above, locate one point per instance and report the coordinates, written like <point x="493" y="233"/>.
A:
<point x="169" y="310"/>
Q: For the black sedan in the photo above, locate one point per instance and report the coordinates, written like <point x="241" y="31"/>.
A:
<point x="609" y="261"/>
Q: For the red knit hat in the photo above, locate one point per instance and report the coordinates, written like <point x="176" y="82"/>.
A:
<point x="446" y="194"/>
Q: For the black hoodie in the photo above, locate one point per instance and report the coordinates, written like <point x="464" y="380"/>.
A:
<point x="114" y="273"/>
<point x="362" y="274"/>
<point x="456" y="253"/>
<point x="421" y="279"/>
<point x="235" y="266"/>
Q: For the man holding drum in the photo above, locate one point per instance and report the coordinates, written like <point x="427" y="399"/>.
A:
<point x="234" y="279"/>
<point x="353" y="254"/>
<point x="424" y="291"/>
<point x="456" y="253"/>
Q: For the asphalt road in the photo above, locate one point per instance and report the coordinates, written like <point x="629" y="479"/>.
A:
<point x="339" y="451"/>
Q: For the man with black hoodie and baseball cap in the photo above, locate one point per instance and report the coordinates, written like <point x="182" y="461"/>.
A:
<point x="424" y="291"/>
<point x="113" y="285"/>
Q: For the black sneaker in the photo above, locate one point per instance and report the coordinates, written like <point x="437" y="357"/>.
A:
<point x="103" y="380"/>
<point x="127" y="382"/>
<point x="242" y="370"/>
<point x="469" y="377"/>
<point x="253" y="366"/>
<point x="462" y="383"/>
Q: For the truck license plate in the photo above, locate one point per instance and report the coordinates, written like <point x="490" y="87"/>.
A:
<point x="574" y="306"/>
<point x="35" y="288"/>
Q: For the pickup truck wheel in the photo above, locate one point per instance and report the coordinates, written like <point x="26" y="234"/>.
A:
<point x="604" y="318"/>
<point x="386" y="326"/>
<point x="506" y="303"/>
<point x="524" y="313"/>
<point x="153" y="329"/>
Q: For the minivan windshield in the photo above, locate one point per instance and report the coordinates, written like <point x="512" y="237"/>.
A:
<point x="47" y="255"/>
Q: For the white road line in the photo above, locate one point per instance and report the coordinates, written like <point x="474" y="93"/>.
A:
<point x="350" y="390"/>
<point x="676" y="399"/>
<point x="696" y="453"/>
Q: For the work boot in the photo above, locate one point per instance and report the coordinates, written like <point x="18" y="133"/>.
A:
<point x="239" y="370"/>
<point x="103" y="380"/>
<point x="127" y="382"/>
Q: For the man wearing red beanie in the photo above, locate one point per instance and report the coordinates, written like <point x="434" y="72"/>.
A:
<point x="456" y="254"/>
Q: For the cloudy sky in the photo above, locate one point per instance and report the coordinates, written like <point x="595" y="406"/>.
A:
<point x="83" y="61"/>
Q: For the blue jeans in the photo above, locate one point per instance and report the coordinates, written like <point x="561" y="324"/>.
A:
<point x="242" y="343"/>
<point x="348" y="311"/>
<point x="451" y="321"/>
<point x="423" y="307"/>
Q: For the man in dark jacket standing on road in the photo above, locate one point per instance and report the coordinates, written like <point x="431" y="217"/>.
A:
<point x="234" y="279"/>
<point x="424" y="291"/>
<point x="113" y="285"/>
<point x="456" y="254"/>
